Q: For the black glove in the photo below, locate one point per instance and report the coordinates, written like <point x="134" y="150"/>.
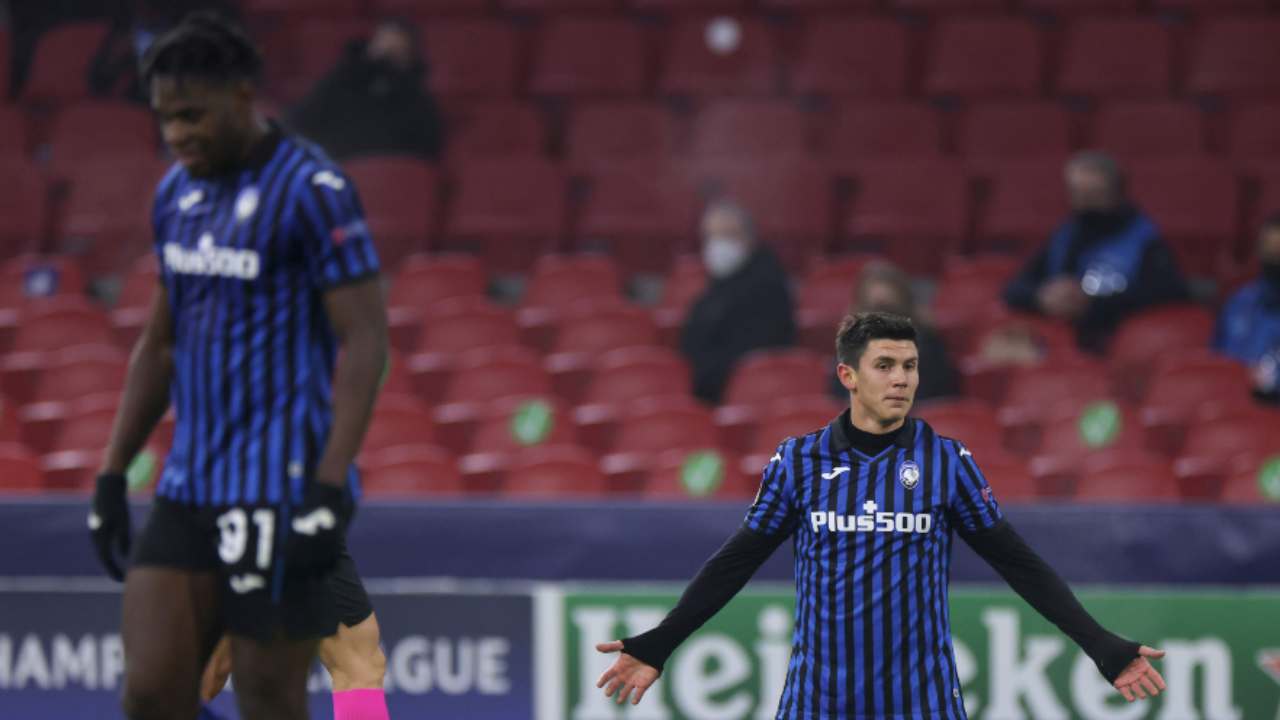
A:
<point x="317" y="528"/>
<point x="109" y="523"/>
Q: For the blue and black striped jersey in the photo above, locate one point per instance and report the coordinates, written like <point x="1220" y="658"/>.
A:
<point x="246" y="259"/>
<point x="872" y="539"/>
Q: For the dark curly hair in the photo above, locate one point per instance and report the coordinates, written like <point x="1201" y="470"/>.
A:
<point x="204" y="46"/>
<point x="857" y="331"/>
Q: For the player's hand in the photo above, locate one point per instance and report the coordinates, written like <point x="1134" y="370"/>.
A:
<point x="626" y="674"/>
<point x="317" y="528"/>
<point x="109" y="524"/>
<point x="1140" y="679"/>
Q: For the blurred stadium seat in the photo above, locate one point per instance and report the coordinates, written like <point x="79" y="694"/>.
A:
<point x="587" y="333"/>
<point x="507" y="426"/>
<point x="59" y="71"/>
<point x="398" y="195"/>
<point x="92" y="128"/>
<point x="1196" y="205"/>
<point x="1253" y="135"/>
<point x="679" y="474"/>
<point x="790" y="417"/>
<point x="24" y="208"/>
<point x="640" y="216"/>
<point x="991" y="134"/>
<point x="976" y="57"/>
<point x="398" y="422"/>
<point x="852" y="56"/>
<point x="1072" y="7"/>
<point x="472" y="57"/>
<point x="1181" y="388"/>
<point x="1024" y="202"/>
<point x="422" y="282"/>
<point x="428" y="8"/>
<point x="15" y="140"/>
<point x="482" y="376"/>
<point x="1149" y="129"/>
<point x="48" y="326"/>
<point x="132" y="309"/>
<point x="758" y="380"/>
<point x="690" y="67"/>
<point x="914" y="212"/>
<point x="621" y="378"/>
<point x="452" y="327"/>
<point x="590" y="56"/>
<point x="553" y="470"/>
<point x="107" y="216"/>
<point x="861" y="134"/>
<point x="972" y="420"/>
<point x="626" y="132"/>
<point x="410" y="472"/>
<point x="681" y="288"/>
<point x="19" y="469"/>
<point x="1235" y="56"/>
<point x="495" y="129"/>
<point x="510" y="210"/>
<point x="650" y="427"/>
<point x="750" y="128"/>
<point x="825" y="297"/>
<point x="303" y="48"/>
<point x="28" y="279"/>
<point x="1142" y="340"/>
<point x="1121" y="56"/>
<point x="1147" y="481"/>
<point x="559" y="284"/>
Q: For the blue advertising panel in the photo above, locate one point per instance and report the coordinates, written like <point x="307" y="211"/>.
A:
<point x="449" y="654"/>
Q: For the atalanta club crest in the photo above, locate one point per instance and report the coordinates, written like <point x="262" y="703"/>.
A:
<point x="909" y="474"/>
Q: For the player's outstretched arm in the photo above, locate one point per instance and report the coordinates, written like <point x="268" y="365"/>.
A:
<point x="145" y="400"/>
<point x="1122" y="662"/>
<point x="721" y="577"/>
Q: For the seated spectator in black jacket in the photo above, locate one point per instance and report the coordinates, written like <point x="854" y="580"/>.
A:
<point x="746" y="306"/>
<point x="1105" y="262"/>
<point x="883" y="287"/>
<point x="373" y="101"/>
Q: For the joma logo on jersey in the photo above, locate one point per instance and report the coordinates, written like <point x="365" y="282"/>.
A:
<point x="211" y="260"/>
<point x="872" y="521"/>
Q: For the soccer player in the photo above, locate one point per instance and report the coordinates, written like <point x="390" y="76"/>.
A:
<point x="871" y="502"/>
<point x="267" y="270"/>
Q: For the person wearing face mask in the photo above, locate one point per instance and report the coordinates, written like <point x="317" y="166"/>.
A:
<point x="373" y="101"/>
<point x="883" y="287"/>
<point x="746" y="305"/>
<point x="1249" y="323"/>
<point x="1105" y="262"/>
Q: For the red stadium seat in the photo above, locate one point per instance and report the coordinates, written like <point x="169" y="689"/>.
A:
<point x="807" y="5"/>
<point x="792" y="417"/>
<point x="1007" y="476"/>
<point x="1208" y="7"/>
<point x="1079" y="435"/>
<point x="586" y="334"/>
<point x="428" y="8"/>
<point x="304" y="7"/>
<point x="680" y="474"/>
<point x="972" y="420"/>
<point x="1024" y="203"/>
<point x="1068" y="7"/>
<point x="687" y="5"/>
<point x="1251" y="483"/>
<point x="864" y="57"/>
<point x="15" y="141"/>
<point x="639" y="217"/>
<point x="19" y="470"/>
<point x="411" y="471"/>
<point x="651" y="427"/>
<point x="396" y="425"/>
<point x="554" y="470"/>
<point x="985" y="57"/>
<point x="304" y="49"/>
<point x="80" y="372"/>
<point x="59" y="71"/>
<point x="623" y="377"/>
<point x="107" y="218"/>
<point x="87" y="429"/>
<point x="1180" y="389"/>
<point x="994" y="133"/>
<point x="610" y="133"/>
<point x="753" y="128"/>
<point x="52" y="326"/>
<point x="1195" y="203"/>
<point x="558" y="285"/>
<point x="92" y="128"/>
<point x="556" y="6"/>
<point x="964" y="6"/>
<point x="690" y="67"/>
<point x="861" y="134"/>
<point x="1144" y="339"/>
<point x="913" y="212"/>
<point x="1116" y="57"/>
<point x="471" y="58"/>
<point x="1253" y="135"/>
<point x="791" y="200"/>
<point x="399" y="199"/>
<point x="24" y="208"/>
<point x="766" y="375"/>
<point x="513" y="210"/>
<point x="825" y="297"/>
<point x="682" y="287"/>
<point x="33" y="278"/>
<point x="500" y="130"/>
<point x="518" y="422"/>
<point x="1145" y="482"/>
<point x="1236" y="56"/>
<point x="590" y="56"/>
<point x="484" y="375"/>
<point x="1149" y="129"/>
<point x="1039" y="393"/>
<point x="452" y="327"/>
<point x="422" y="283"/>
<point x="1251" y="432"/>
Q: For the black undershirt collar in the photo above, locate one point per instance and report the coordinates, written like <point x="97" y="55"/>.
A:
<point x="844" y="436"/>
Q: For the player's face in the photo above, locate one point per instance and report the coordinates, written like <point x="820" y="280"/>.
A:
<point x="885" y="381"/>
<point x="203" y="123"/>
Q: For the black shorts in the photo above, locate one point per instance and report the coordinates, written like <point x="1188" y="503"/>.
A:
<point x="258" y="596"/>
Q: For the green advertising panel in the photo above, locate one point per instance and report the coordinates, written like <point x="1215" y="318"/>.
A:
<point x="1223" y="658"/>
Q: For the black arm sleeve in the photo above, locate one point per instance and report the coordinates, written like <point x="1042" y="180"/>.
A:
<point x="1032" y="578"/>
<point x="723" y="575"/>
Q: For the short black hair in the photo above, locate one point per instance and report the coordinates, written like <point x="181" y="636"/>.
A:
<point x="857" y="331"/>
<point x="204" y="46"/>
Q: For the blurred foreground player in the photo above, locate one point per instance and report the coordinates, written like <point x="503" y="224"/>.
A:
<point x="267" y="270"/>
<point x="870" y="502"/>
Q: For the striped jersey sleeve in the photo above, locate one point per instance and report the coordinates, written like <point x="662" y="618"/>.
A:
<point x="774" y="510"/>
<point x="330" y="228"/>
<point x="973" y="504"/>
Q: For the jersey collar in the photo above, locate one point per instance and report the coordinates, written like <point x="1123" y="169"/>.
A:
<point x="904" y="437"/>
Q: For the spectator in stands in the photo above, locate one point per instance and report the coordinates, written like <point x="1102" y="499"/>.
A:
<point x="1105" y="262"/>
<point x="1249" y="325"/>
<point x="373" y="101"/>
<point x="746" y="306"/>
<point x="883" y="287"/>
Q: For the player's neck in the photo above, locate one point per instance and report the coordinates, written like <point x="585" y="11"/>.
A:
<point x="864" y="421"/>
<point x="259" y="129"/>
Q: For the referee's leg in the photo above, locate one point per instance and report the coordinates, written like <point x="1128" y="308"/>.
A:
<point x="170" y="626"/>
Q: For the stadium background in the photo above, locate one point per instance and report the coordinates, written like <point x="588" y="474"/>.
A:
<point x="538" y="478"/>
